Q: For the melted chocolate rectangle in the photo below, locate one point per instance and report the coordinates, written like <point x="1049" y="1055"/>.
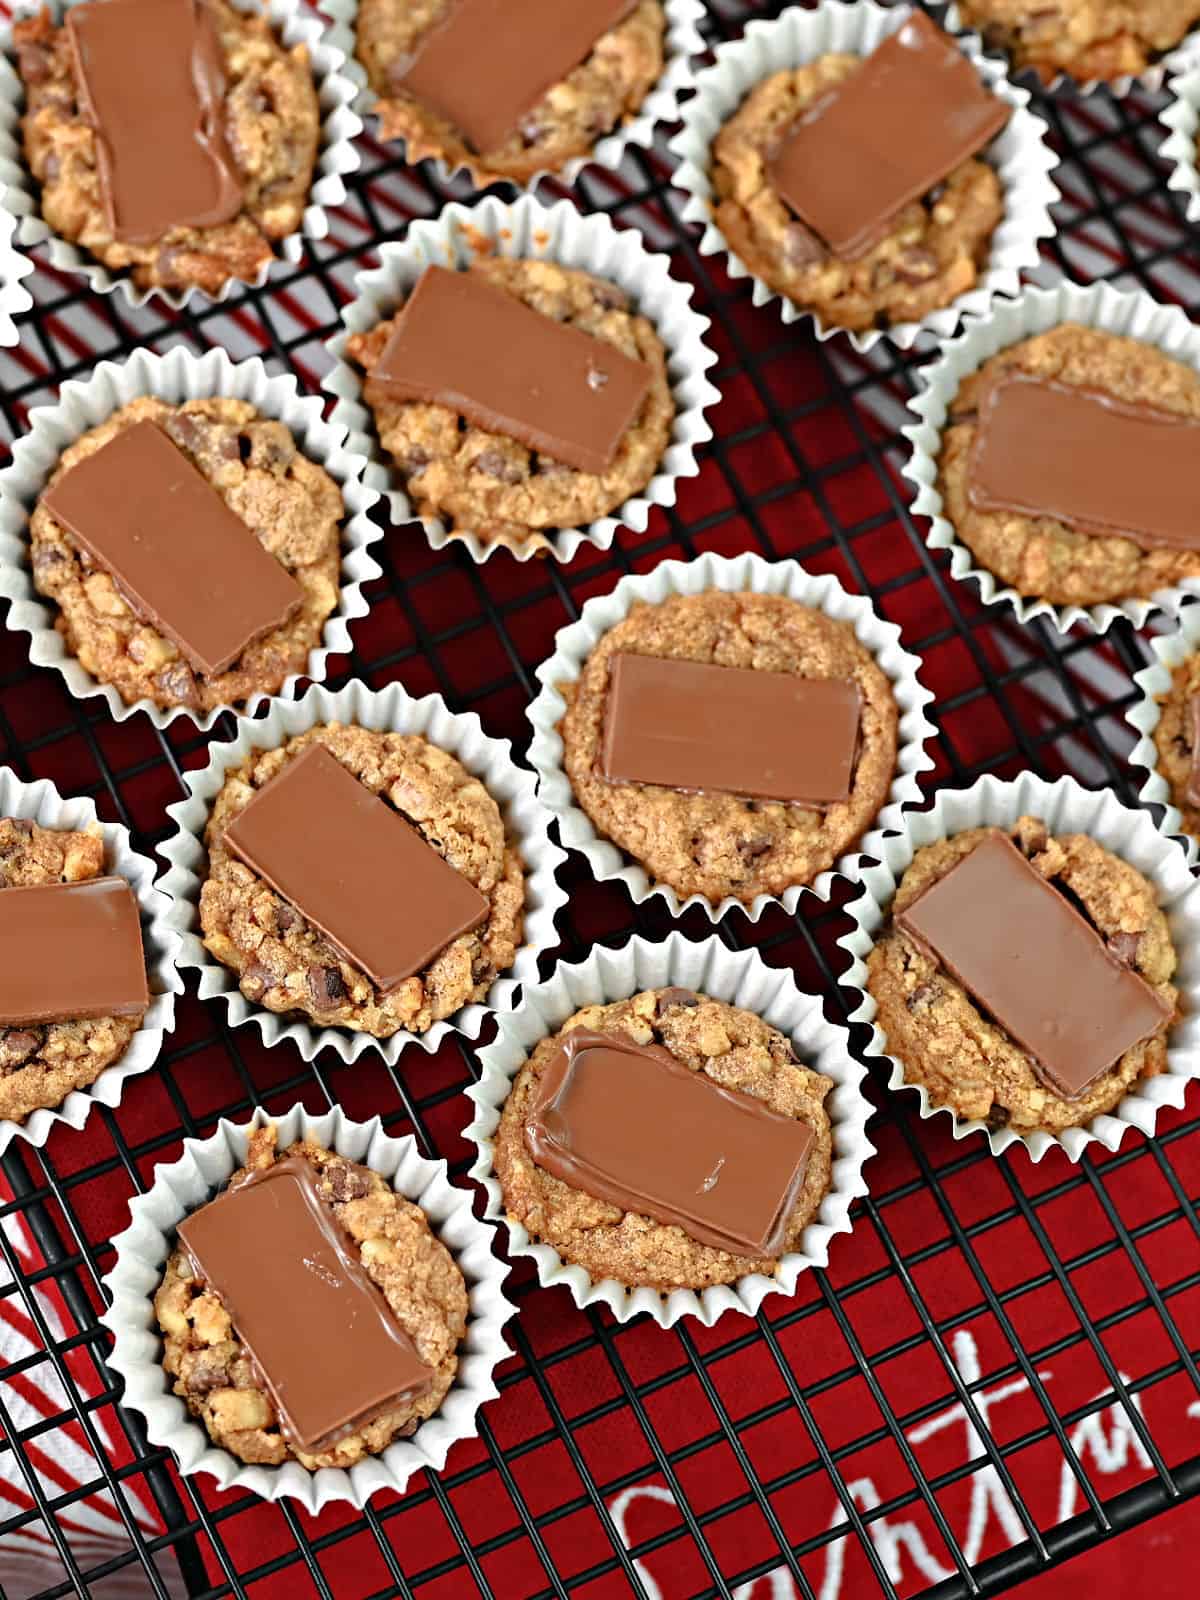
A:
<point x="70" y="951"/>
<point x="765" y="735"/>
<point x="461" y="342"/>
<point x="913" y="111"/>
<point x="354" y="868"/>
<point x="490" y="61"/>
<point x="1038" y="966"/>
<point x="328" y="1347"/>
<point x="178" y="554"/>
<point x="632" y="1126"/>
<point x="1085" y="458"/>
<point x="152" y="85"/>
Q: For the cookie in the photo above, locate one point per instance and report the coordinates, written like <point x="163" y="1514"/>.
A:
<point x="718" y="844"/>
<point x="286" y="965"/>
<point x="271" y="119"/>
<point x="594" y="99"/>
<point x="959" y="1054"/>
<point x="291" y="505"/>
<point x="212" y="1371"/>
<point x="1082" y="38"/>
<point x="1174" y="738"/>
<point x="1039" y="556"/>
<point x="41" y="1065"/>
<point x="488" y="484"/>
<point x="931" y="253"/>
<point x="732" y="1047"/>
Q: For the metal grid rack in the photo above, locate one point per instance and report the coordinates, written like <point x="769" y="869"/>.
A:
<point x="790" y="1444"/>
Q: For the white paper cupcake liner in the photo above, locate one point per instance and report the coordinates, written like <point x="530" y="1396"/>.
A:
<point x="683" y="41"/>
<point x="1065" y="807"/>
<point x="395" y="711"/>
<point x="336" y="156"/>
<point x="1150" y="80"/>
<point x="1182" y="122"/>
<point x="575" y="643"/>
<point x="1134" y="315"/>
<point x="1170" y="650"/>
<point x="178" y="376"/>
<point x="740" y="978"/>
<point x="41" y="802"/>
<point x="527" y="229"/>
<point x="1021" y="154"/>
<point x="142" y="1251"/>
<point x="14" y="298"/>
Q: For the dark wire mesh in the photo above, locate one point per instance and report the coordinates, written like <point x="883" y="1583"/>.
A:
<point x="806" y="465"/>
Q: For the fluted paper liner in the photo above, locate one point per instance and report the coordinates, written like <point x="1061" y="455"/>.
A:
<point x="1020" y="154"/>
<point x="527" y="229"/>
<point x="142" y="1251"/>
<point x="395" y="711"/>
<point x="14" y="297"/>
<point x="741" y="978"/>
<point x="1150" y="80"/>
<point x="1134" y="315"/>
<point x="575" y="643"/>
<point x="1182" y="122"/>
<point x="175" y="377"/>
<point x="336" y="157"/>
<point x="1065" y="807"/>
<point x="41" y="803"/>
<point x="683" y="40"/>
<point x="1170" y="650"/>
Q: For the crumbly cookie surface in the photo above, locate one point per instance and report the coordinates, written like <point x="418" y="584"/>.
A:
<point x="596" y="98"/>
<point x="1173" y="738"/>
<point x="272" y="123"/>
<point x="212" y="1370"/>
<point x="720" y="844"/>
<point x="291" y="506"/>
<point x="285" y="965"/>
<point x="41" y="1065"/>
<point x="933" y="252"/>
<point x="1040" y="556"/>
<point x="956" y="1051"/>
<point x="732" y="1047"/>
<point x="1083" y="38"/>
<point x="488" y="484"/>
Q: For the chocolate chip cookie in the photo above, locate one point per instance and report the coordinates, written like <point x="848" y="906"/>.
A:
<point x="286" y="965"/>
<point x="1175" y="739"/>
<point x="1082" y="38"/>
<point x="722" y="844"/>
<point x="291" y="505"/>
<point x="487" y="483"/>
<point x="271" y="120"/>
<point x="732" y="1047"/>
<point x="959" y="1053"/>
<point x="932" y="252"/>
<point x="214" y="1373"/>
<point x="1040" y="556"/>
<point x="41" y="1065"/>
<point x="594" y="100"/>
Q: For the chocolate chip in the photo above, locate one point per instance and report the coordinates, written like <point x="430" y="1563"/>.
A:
<point x="17" y="1045"/>
<point x="497" y="465"/>
<point x="326" y="987"/>
<point x="413" y="460"/>
<point x="677" y="997"/>
<point x="178" y="684"/>
<point x="998" y="1117"/>
<point x="757" y="845"/>
<point x="921" y="997"/>
<point x="801" y="247"/>
<point x="286" y="918"/>
<point x="207" y="1373"/>
<point x="46" y="557"/>
<point x="256" y="980"/>
<point x="347" y="1182"/>
<point x="1125" y="946"/>
<point x="610" y="297"/>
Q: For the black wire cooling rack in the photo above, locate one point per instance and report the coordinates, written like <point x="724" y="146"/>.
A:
<point x="802" y="1444"/>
